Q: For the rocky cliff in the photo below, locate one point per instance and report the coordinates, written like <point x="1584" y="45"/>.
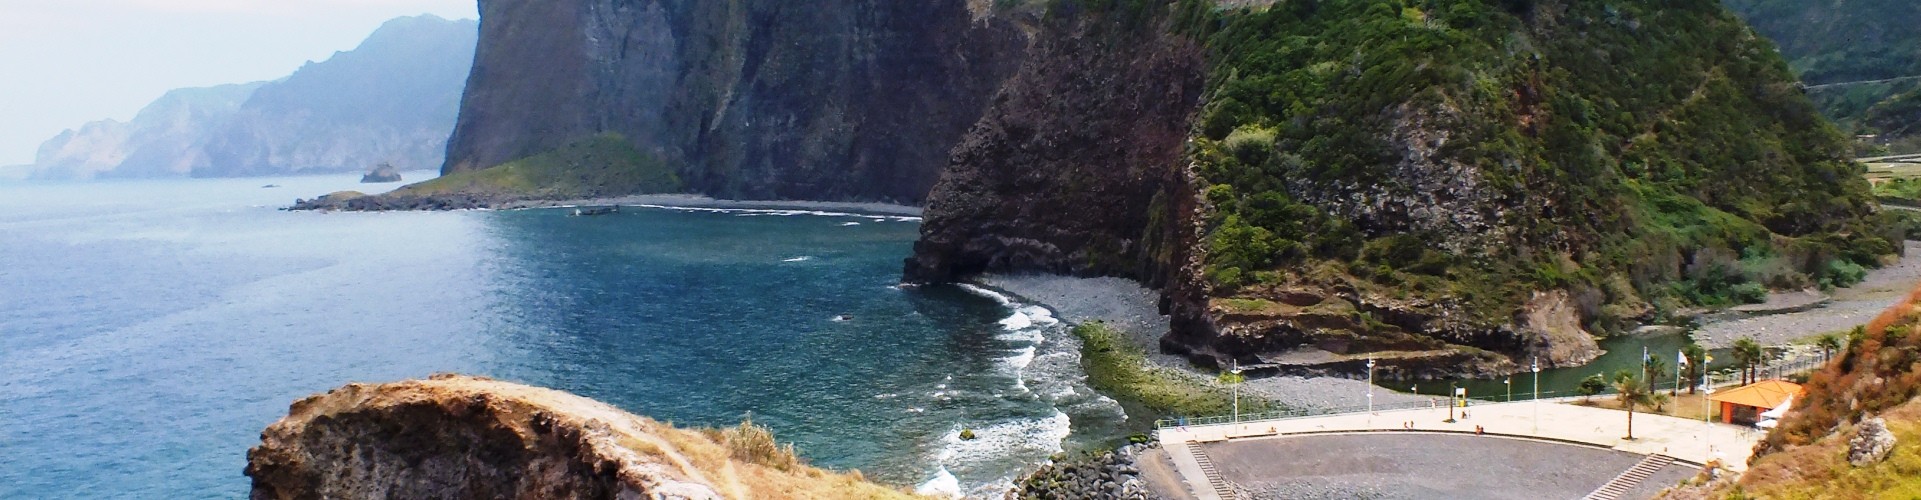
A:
<point x="163" y="140"/>
<point x="391" y="100"/>
<point x="466" y="437"/>
<point x="765" y="99"/>
<point x="1077" y="168"/>
<point x="1453" y="188"/>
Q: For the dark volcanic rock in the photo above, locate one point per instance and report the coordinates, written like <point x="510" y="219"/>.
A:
<point x="382" y="174"/>
<point x="1077" y="168"/>
<point x="760" y="99"/>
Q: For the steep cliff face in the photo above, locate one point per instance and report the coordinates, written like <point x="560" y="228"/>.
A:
<point x="466" y="437"/>
<point x="391" y="100"/>
<point x="838" y="100"/>
<point x="1454" y="188"/>
<point x="1076" y="168"/>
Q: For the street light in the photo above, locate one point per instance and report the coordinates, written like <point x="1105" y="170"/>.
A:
<point x="1451" y="391"/>
<point x="1370" y="386"/>
<point x="1536" y="366"/>
<point x="1236" y="370"/>
<point x="1510" y="388"/>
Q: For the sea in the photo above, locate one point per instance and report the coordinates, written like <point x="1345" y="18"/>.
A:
<point x="149" y="330"/>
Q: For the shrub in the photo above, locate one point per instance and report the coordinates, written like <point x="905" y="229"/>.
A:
<point x="755" y="444"/>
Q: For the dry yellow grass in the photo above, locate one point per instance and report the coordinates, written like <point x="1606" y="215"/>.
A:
<point x="742" y="463"/>
<point x="1821" y="471"/>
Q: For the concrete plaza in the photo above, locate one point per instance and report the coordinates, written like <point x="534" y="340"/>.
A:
<point x="1549" y="421"/>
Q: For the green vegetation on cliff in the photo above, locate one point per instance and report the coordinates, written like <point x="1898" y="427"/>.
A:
<point x="1476" y="151"/>
<point x="1858" y="53"/>
<point x="602" y="165"/>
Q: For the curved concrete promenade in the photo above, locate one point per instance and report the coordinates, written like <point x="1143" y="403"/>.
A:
<point x="1691" y="441"/>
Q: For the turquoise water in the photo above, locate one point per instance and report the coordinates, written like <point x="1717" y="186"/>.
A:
<point x="150" y="330"/>
<point x="1621" y="353"/>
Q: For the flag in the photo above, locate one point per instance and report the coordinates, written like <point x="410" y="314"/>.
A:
<point x="1680" y="359"/>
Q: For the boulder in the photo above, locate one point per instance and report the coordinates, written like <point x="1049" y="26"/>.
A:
<point x="1871" y="443"/>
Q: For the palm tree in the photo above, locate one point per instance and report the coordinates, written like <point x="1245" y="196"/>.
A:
<point x="1631" y="391"/>
<point x="1828" y="343"/>
<point x="1697" y="364"/>
<point x="1747" y="353"/>
<point x="1653" y="370"/>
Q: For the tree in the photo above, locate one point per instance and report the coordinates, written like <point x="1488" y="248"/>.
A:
<point x="1747" y="353"/>
<point x="1654" y="369"/>
<point x="1631" y="391"/>
<point x="1697" y="365"/>
<point x="1829" y="343"/>
<point x="1590" y="386"/>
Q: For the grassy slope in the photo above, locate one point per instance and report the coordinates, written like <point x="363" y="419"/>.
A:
<point x="1628" y="139"/>
<point x="598" y="166"/>
<point x="1821" y="469"/>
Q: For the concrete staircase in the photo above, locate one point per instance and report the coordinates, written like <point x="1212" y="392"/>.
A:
<point x="1633" y="477"/>
<point x="1213" y="474"/>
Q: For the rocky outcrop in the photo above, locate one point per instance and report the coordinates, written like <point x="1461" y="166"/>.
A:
<point x="1308" y="193"/>
<point x="1109" y="475"/>
<point x="758" y="99"/>
<point x="381" y="174"/>
<point x="467" y="437"/>
<point x="1871" y="444"/>
<point x="1077" y="167"/>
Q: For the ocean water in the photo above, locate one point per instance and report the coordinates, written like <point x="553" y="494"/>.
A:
<point x="149" y="330"/>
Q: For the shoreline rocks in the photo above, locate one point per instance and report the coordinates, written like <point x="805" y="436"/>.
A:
<point x="1111" y="475"/>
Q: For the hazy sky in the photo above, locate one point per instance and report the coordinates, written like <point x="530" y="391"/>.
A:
<point x="67" y="62"/>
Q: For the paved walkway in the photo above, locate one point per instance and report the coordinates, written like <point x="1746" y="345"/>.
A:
<point x="1688" y="440"/>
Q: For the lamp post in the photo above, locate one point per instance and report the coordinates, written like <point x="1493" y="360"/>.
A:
<point x="1370" y="386"/>
<point x="1450" y="402"/>
<point x="1510" y="388"/>
<point x="1536" y="367"/>
<point x="1236" y="370"/>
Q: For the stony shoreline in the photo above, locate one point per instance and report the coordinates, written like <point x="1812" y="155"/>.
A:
<point x="1134" y="310"/>
<point x="1847" y="308"/>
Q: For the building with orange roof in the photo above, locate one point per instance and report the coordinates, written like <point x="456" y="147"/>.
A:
<point x="1745" y="404"/>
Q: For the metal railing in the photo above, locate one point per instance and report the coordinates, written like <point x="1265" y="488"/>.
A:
<point x="1777" y="369"/>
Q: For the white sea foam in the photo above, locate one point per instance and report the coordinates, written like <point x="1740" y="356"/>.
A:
<point x="1031" y="336"/>
<point x="1016" y="322"/>
<point x="1039" y="437"/>
<point x="1039" y="315"/>
<point x="1021" y="359"/>
<point x="850" y="224"/>
<point x="802" y="258"/>
<point x="1004" y="300"/>
<point x="750" y="212"/>
<point x="943" y="484"/>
